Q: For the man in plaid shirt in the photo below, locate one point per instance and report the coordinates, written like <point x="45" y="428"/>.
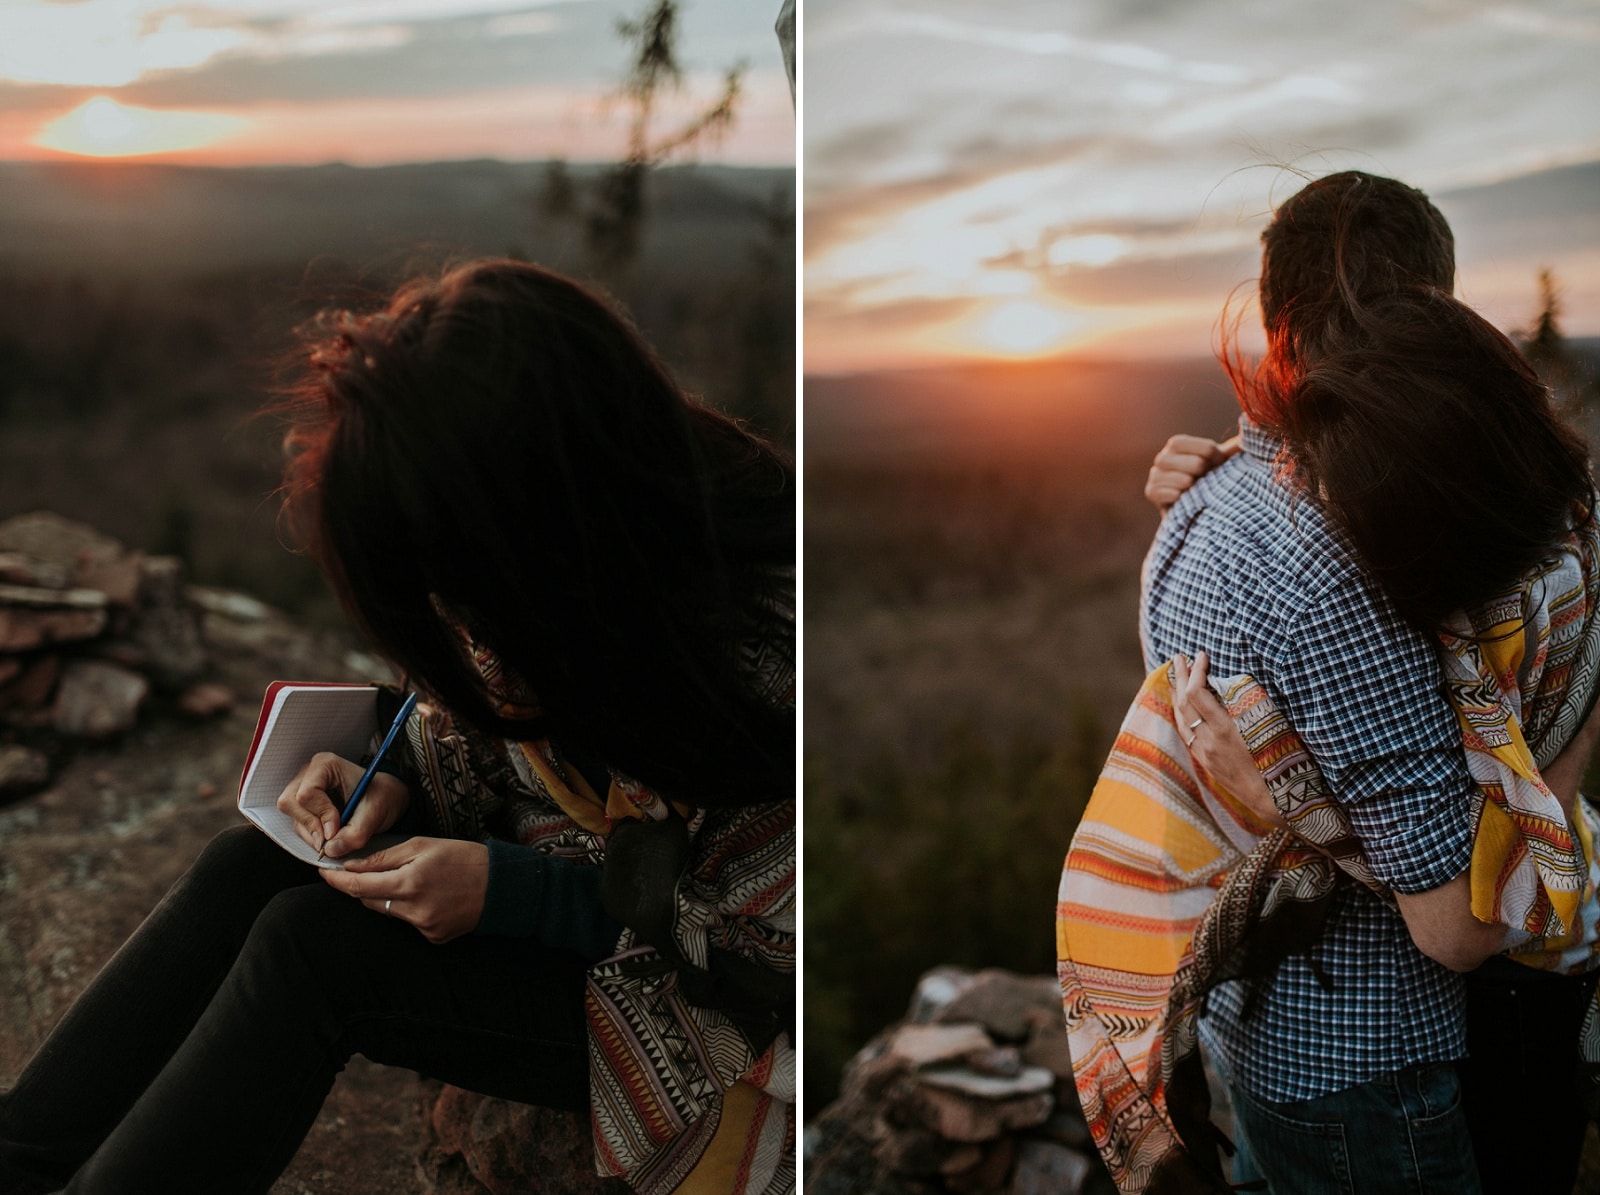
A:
<point x="1342" y="1074"/>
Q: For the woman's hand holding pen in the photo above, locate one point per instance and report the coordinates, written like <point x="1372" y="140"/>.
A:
<point x="315" y="796"/>
<point x="435" y="884"/>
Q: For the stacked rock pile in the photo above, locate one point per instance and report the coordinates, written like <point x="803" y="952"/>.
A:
<point x="88" y="631"/>
<point x="971" y="1093"/>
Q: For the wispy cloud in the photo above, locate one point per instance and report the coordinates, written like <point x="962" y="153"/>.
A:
<point x="1124" y="154"/>
<point x="1047" y="43"/>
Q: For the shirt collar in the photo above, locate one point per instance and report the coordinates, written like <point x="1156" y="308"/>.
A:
<point x="1258" y="442"/>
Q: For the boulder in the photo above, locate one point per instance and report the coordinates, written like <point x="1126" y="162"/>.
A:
<point x="118" y="578"/>
<point x="934" y="992"/>
<point x="934" y="1105"/>
<point x="514" y="1149"/>
<point x="1029" y="1080"/>
<point x="1047" y="1045"/>
<point x="49" y="539"/>
<point x="920" y="1045"/>
<point x="1003" y="1062"/>
<point x="1046" y="1168"/>
<point x="838" y="1160"/>
<point x="166" y="627"/>
<point x="22" y="769"/>
<point x="18" y="568"/>
<point x="26" y="627"/>
<point x="240" y="607"/>
<point x="920" y="1152"/>
<point x="994" y="1164"/>
<point x="1066" y="1125"/>
<point x="961" y="1117"/>
<point x="96" y="699"/>
<point x="32" y="686"/>
<point x="205" y="701"/>
<point x="1001" y="1001"/>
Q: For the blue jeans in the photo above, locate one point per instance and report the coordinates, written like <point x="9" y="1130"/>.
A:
<point x="1402" y="1133"/>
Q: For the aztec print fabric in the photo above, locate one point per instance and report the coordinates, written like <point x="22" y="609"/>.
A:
<point x="1170" y="881"/>
<point x="680" y="1099"/>
<point x="1520" y="672"/>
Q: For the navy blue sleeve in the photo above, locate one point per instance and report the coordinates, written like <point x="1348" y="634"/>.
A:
<point x="551" y="899"/>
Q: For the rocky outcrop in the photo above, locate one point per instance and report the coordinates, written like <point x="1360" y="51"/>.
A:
<point x="479" y="1144"/>
<point x="971" y="1093"/>
<point x="89" y="630"/>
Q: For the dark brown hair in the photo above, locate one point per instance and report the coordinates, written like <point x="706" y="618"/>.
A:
<point x="499" y="441"/>
<point x="1434" y="448"/>
<point x="1356" y="235"/>
<point x="1339" y="240"/>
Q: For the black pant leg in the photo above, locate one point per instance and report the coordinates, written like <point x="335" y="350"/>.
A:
<point x="1522" y="1080"/>
<point x="126" y="1025"/>
<point x="319" y="979"/>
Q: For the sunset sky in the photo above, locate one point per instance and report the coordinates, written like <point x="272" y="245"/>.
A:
<point x="361" y="81"/>
<point x="1020" y="178"/>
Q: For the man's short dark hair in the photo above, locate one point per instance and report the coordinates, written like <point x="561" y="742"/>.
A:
<point x="1351" y="230"/>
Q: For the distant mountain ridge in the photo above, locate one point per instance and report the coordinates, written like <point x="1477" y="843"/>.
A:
<point x="149" y="221"/>
<point x="1062" y="406"/>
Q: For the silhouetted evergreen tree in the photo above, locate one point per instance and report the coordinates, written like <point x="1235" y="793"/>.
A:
<point x="612" y="213"/>
<point x="1569" y="377"/>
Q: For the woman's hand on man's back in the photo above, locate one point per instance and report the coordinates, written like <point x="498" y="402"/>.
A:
<point x="1182" y="462"/>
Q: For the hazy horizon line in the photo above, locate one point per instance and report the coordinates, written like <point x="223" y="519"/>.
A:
<point x="1585" y="341"/>
<point x="476" y="159"/>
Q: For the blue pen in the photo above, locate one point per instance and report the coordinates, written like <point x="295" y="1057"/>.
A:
<point x="406" y="707"/>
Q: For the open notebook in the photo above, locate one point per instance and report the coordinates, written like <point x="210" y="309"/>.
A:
<point x="299" y="719"/>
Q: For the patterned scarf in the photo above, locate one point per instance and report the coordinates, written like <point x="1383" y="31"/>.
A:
<point x="1171" y="885"/>
<point x="682" y="1099"/>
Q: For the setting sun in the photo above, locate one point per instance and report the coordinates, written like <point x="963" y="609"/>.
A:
<point x="103" y="128"/>
<point x="1024" y="328"/>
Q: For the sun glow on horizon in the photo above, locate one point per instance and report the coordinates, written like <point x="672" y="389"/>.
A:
<point x="103" y="128"/>
<point x="1023" y="328"/>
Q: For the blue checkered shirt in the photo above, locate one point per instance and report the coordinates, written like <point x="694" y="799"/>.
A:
<point x="1257" y="578"/>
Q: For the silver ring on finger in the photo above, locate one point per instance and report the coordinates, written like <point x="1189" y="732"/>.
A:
<point x="388" y="907"/>
<point x="1197" y="724"/>
<point x="1189" y="742"/>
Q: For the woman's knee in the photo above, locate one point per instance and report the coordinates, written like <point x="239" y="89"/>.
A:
<point x="234" y="853"/>
<point x="313" y="931"/>
<point x="299" y="923"/>
<point x="310" y="951"/>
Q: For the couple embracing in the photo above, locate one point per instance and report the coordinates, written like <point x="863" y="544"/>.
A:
<point x="1339" y="840"/>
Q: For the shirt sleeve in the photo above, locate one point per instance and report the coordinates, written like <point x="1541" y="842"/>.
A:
<point x="553" y="900"/>
<point x="1365" y="694"/>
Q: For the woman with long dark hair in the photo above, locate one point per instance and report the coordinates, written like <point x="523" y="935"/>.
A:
<point x="589" y="578"/>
